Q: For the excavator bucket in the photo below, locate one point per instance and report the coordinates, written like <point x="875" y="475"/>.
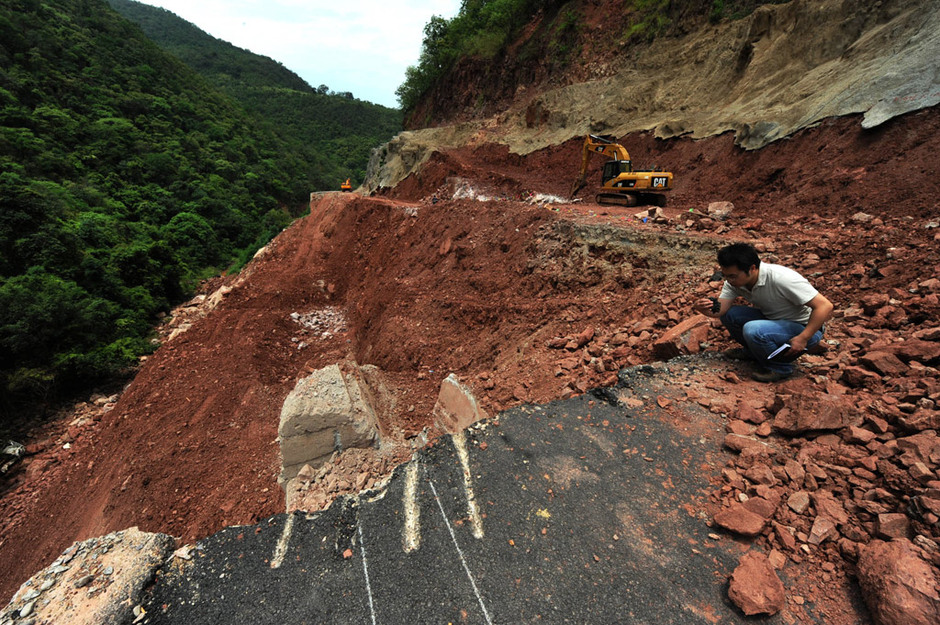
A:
<point x="578" y="185"/>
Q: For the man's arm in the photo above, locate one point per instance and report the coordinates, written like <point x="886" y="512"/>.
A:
<point x="822" y="310"/>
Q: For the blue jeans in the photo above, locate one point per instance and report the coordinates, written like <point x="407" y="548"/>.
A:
<point x="761" y="336"/>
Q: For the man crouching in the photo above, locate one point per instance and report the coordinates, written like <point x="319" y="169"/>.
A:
<point x="785" y="310"/>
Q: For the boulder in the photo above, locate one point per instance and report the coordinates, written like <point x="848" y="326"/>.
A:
<point x="925" y="445"/>
<point x="823" y="529"/>
<point x="755" y="587"/>
<point x="799" y="501"/>
<point x="811" y="411"/>
<point x="884" y="363"/>
<point x="899" y="587"/>
<point x="720" y="210"/>
<point x="456" y="406"/>
<point x="684" y="338"/>
<point x="859" y="377"/>
<point x="747" y="412"/>
<point x="740" y="520"/>
<point x="327" y="411"/>
<point x="828" y="507"/>
<point x="892" y="525"/>
<point x="925" y="352"/>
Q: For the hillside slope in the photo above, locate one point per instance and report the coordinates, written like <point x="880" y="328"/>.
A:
<point x="762" y="78"/>
<point x="125" y="179"/>
<point x="334" y="132"/>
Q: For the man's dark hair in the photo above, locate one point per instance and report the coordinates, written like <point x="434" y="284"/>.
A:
<point x="740" y="255"/>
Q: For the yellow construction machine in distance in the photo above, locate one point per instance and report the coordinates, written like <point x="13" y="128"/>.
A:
<point x="346" y="186"/>
<point x="620" y="182"/>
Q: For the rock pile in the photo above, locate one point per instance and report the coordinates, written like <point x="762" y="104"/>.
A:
<point x="826" y="471"/>
<point x="349" y="472"/>
<point x="99" y="580"/>
<point x="844" y="456"/>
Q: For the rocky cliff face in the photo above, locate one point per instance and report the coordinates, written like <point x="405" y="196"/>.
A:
<point x="783" y="68"/>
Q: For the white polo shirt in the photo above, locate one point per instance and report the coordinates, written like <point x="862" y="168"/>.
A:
<point x="780" y="293"/>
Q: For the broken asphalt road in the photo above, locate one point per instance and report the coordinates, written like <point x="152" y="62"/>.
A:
<point x="585" y="510"/>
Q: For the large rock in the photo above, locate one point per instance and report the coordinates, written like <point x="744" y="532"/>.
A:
<point x="720" y="210"/>
<point x="740" y="520"/>
<point x="884" y="363"/>
<point x="327" y="411"/>
<point x="828" y="507"/>
<point x="684" y="338"/>
<point x="859" y="377"/>
<point x="99" y="580"/>
<point x="755" y="587"/>
<point x="456" y="406"/>
<point x="898" y="585"/>
<point x="926" y="352"/>
<point x="809" y="411"/>
<point x="925" y="446"/>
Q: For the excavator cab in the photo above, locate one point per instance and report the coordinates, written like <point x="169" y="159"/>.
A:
<point x="612" y="169"/>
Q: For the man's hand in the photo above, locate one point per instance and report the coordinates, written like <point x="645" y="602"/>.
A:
<point x="704" y="306"/>
<point x="797" y="345"/>
<point x="712" y="307"/>
<point x="821" y="311"/>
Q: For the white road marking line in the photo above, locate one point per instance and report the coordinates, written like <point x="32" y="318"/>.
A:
<point x="281" y="549"/>
<point x="460" y="443"/>
<point x="411" y="537"/>
<point x="463" y="561"/>
<point x="365" y="570"/>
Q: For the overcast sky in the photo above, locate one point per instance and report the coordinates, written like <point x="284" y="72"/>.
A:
<point x="360" y="46"/>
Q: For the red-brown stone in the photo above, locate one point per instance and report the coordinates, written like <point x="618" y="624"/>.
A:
<point x="899" y="587"/>
<point x="755" y="587"/>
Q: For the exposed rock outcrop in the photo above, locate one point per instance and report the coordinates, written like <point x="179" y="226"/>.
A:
<point x="783" y="68"/>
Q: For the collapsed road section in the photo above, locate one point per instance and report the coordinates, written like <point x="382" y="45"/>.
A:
<point x="582" y="511"/>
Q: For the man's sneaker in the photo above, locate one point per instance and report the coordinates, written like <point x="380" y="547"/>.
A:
<point x="769" y="376"/>
<point x="737" y="353"/>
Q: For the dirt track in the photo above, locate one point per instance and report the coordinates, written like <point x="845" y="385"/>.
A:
<point x="428" y="285"/>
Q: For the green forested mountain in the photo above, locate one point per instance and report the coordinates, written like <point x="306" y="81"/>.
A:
<point x="334" y="126"/>
<point x="125" y="177"/>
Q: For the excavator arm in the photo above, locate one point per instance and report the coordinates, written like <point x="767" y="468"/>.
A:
<point x="598" y="144"/>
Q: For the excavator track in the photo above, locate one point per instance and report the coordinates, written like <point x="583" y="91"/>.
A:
<point x="631" y="199"/>
<point x="620" y="199"/>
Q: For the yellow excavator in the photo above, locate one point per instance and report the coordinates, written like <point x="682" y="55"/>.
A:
<point x="620" y="183"/>
<point x="346" y="186"/>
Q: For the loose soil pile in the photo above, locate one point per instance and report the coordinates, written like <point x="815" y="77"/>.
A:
<point x="527" y="300"/>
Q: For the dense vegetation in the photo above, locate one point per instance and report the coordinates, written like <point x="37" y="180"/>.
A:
<point x="124" y="179"/>
<point x="480" y="28"/>
<point x="486" y="28"/>
<point x="333" y="132"/>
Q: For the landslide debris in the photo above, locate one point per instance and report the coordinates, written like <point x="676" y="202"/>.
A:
<point x="475" y="264"/>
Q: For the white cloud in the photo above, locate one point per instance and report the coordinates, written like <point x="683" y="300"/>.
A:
<point x="362" y="47"/>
